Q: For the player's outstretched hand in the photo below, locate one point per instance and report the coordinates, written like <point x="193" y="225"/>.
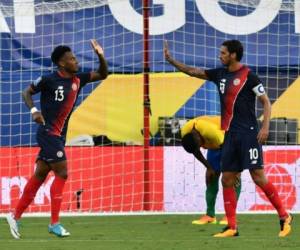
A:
<point x="262" y="135"/>
<point x="38" y="117"/>
<point x="97" y="48"/>
<point x="166" y="51"/>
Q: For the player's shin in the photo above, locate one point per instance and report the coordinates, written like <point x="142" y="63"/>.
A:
<point x="56" y="198"/>
<point x="230" y="203"/>
<point x="211" y="195"/>
<point x="28" y="195"/>
<point x="274" y="198"/>
<point x="238" y="188"/>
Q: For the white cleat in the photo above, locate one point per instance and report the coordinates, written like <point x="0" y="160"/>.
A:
<point x="13" y="225"/>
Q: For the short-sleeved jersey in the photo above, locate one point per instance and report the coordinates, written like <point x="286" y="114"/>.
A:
<point x="58" y="95"/>
<point x="209" y="129"/>
<point x="237" y="97"/>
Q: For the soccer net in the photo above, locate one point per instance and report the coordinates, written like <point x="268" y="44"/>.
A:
<point x="110" y="167"/>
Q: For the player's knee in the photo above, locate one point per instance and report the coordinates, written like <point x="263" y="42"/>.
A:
<point x="260" y="181"/>
<point x="60" y="169"/>
<point x="41" y="171"/>
<point x="63" y="174"/>
<point x="41" y="176"/>
<point x="258" y="177"/>
<point x="227" y="181"/>
<point x="210" y="174"/>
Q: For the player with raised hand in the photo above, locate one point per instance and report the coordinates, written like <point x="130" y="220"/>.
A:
<point x="58" y="94"/>
<point x="205" y="132"/>
<point x="238" y="88"/>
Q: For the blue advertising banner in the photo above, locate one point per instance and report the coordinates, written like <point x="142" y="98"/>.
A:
<point x="29" y="31"/>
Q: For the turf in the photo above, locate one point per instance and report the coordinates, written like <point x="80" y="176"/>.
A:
<point x="161" y="232"/>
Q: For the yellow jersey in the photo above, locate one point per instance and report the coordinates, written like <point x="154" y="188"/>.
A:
<point x="209" y="128"/>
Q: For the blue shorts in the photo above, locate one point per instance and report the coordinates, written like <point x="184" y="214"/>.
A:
<point x="52" y="146"/>
<point x="241" y="151"/>
<point x="214" y="158"/>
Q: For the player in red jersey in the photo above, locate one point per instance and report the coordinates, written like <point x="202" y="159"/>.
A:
<point x="58" y="94"/>
<point x="238" y="88"/>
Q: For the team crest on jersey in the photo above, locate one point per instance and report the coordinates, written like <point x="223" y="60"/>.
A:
<point x="59" y="154"/>
<point x="74" y="86"/>
<point x="236" y="81"/>
<point x="261" y="89"/>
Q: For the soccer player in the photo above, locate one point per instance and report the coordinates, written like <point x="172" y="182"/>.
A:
<point x="58" y="94"/>
<point x="238" y="88"/>
<point x="205" y="131"/>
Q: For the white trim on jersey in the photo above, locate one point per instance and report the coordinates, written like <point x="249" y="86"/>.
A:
<point x="259" y="90"/>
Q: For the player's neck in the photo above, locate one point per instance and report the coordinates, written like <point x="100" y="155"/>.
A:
<point x="235" y="66"/>
<point x="65" y="74"/>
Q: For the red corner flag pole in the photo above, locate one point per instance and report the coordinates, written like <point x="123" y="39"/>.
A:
<point x="146" y="130"/>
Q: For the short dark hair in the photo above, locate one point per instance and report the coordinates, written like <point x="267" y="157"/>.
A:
<point x="234" y="46"/>
<point x="59" y="52"/>
<point x="188" y="143"/>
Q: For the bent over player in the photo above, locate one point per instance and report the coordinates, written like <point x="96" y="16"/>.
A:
<point x="205" y="132"/>
<point x="238" y="88"/>
<point x="58" y="94"/>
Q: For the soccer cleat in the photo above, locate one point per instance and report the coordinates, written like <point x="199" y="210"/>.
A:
<point x="58" y="230"/>
<point x="223" y="221"/>
<point x="227" y="232"/>
<point x="206" y="219"/>
<point x="285" y="226"/>
<point x="13" y="225"/>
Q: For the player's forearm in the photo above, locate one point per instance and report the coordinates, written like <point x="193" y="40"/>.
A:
<point x="199" y="156"/>
<point x="27" y="97"/>
<point x="103" y="68"/>
<point x="191" y="71"/>
<point x="267" y="108"/>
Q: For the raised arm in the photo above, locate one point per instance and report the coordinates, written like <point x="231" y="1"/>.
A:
<point x="192" y="71"/>
<point x="264" y="131"/>
<point x="102" y="71"/>
<point x="36" y="114"/>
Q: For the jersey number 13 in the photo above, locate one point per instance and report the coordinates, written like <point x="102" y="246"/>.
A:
<point x="59" y="94"/>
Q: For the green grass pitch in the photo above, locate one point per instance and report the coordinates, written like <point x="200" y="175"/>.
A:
<point x="161" y="232"/>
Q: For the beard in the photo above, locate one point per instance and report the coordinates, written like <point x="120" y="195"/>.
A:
<point x="225" y="64"/>
<point x="72" y="70"/>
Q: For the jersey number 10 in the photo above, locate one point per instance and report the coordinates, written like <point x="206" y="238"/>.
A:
<point x="253" y="153"/>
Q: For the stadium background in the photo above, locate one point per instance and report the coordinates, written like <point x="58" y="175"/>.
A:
<point x="115" y="107"/>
